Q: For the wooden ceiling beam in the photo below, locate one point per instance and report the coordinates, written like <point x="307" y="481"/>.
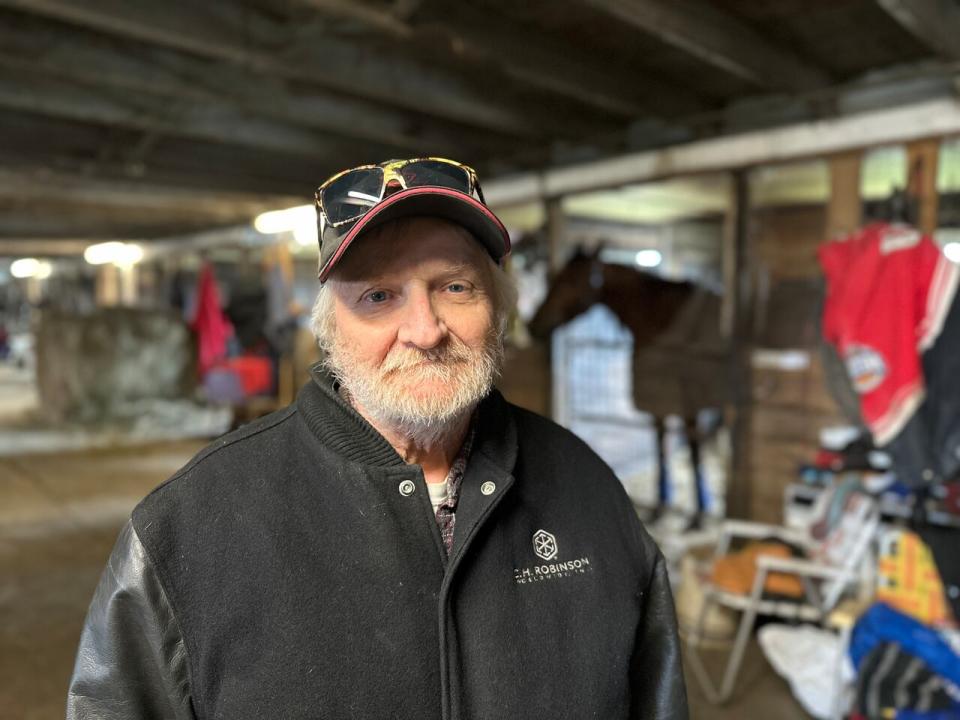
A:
<point x="258" y="46"/>
<point x="30" y="185"/>
<point x="44" y="247"/>
<point x="38" y="93"/>
<point x="816" y="138"/>
<point x="40" y="220"/>
<point x="935" y="23"/>
<point x="240" y="176"/>
<point x="527" y="58"/>
<point x="718" y="39"/>
<point x="163" y="73"/>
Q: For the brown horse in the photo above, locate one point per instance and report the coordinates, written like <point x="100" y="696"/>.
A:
<point x="680" y="361"/>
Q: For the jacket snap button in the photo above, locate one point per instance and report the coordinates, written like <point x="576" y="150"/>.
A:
<point x="407" y="487"/>
<point x="488" y="487"/>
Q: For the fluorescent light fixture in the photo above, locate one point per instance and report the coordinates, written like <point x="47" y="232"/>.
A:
<point x="116" y="252"/>
<point x="648" y="258"/>
<point x="128" y="255"/>
<point x="24" y="267"/>
<point x="306" y="234"/>
<point x="952" y="251"/>
<point x="102" y="253"/>
<point x="280" y="221"/>
<point x="30" y="268"/>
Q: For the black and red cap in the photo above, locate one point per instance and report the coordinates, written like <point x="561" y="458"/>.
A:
<point x="396" y="193"/>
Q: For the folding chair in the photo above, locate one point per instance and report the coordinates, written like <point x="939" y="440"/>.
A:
<point x="831" y="567"/>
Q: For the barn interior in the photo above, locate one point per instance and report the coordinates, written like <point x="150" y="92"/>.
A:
<point x="158" y="163"/>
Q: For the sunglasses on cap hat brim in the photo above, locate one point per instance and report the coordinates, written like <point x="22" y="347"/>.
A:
<point x="364" y="197"/>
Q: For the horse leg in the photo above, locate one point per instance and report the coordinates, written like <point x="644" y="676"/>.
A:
<point x="693" y="441"/>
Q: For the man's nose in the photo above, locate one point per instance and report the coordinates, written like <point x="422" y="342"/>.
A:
<point x="421" y="325"/>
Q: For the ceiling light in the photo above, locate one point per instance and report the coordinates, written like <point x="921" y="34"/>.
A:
<point x="648" y="258"/>
<point x="116" y="252"/>
<point x="279" y="221"/>
<point x="128" y="255"/>
<point x="30" y="268"/>
<point x="102" y="253"/>
<point x="306" y="234"/>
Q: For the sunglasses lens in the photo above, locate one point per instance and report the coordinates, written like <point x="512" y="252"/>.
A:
<point x="435" y="172"/>
<point x="351" y="195"/>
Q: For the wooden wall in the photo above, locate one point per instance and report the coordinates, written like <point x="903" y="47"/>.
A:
<point x="788" y="406"/>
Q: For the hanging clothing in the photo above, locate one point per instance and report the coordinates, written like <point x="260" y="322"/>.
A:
<point x="279" y="324"/>
<point x="210" y="324"/>
<point x="939" y="421"/>
<point x="890" y="291"/>
<point x="247" y="309"/>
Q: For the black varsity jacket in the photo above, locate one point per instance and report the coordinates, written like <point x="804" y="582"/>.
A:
<point x="294" y="569"/>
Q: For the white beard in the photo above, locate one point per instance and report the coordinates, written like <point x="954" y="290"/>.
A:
<point x="388" y="393"/>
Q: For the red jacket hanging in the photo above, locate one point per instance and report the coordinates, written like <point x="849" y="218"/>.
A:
<point x="212" y="327"/>
<point x="888" y="292"/>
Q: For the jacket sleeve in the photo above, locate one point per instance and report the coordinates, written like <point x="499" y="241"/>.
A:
<point x="658" y="689"/>
<point x="132" y="662"/>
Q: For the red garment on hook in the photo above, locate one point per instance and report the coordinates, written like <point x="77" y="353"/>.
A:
<point x="889" y="288"/>
<point x="212" y="327"/>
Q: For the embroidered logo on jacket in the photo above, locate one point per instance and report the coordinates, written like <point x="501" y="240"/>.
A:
<point x="544" y="545"/>
<point x="546" y="548"/>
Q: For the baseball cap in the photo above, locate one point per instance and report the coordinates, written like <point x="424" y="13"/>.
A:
<point x="365" y="197"/>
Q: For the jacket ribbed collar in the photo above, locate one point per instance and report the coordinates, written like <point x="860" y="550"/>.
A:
<point x="342" y="429"/>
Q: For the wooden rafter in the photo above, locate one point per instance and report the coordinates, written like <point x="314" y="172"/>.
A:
<point x="718" y="39"/>
<point x="936" y="23"/>
<point x="258" y="46"/>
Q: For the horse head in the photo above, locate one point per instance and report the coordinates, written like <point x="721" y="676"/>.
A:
<point x="573" y="291"/>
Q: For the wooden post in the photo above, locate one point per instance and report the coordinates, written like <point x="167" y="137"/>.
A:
<point x="128" y="276"/>
<point x="555" y="235"/>
<point x="922" y="159"/>
<point x="278" y="256"/>
<point x="108" y="285"/>
<point x="737" y="291"/>
<point x="844" y="208"/>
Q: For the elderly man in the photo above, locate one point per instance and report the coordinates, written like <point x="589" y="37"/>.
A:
<point x="401" y="542"/>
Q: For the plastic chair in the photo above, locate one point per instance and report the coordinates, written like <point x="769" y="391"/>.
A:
<point x="831" y="567"/>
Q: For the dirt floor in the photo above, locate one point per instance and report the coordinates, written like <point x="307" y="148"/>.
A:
<point x="59" y="516"/>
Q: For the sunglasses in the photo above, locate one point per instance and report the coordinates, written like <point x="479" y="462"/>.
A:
<point x="350" y="194"/>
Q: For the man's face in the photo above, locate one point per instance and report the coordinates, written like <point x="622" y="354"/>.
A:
<point x="414" y="339"/>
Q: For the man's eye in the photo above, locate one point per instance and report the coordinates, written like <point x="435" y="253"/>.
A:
<point x="457" y="287"/>
<point x="377" y="296"/>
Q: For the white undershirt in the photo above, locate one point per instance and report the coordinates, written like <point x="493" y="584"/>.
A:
<point x="438" y="493"/>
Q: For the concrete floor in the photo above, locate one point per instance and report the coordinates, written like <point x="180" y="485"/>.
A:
<point x="59" y="516"/>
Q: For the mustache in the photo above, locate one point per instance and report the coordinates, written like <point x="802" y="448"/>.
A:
<point x="405" y="359"/>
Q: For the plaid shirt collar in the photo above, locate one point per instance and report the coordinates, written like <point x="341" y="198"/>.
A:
<point x="458" y="468"/>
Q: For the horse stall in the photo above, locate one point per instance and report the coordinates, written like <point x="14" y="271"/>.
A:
<point x="640" y="367"/>
<point x="684" y="326"/>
